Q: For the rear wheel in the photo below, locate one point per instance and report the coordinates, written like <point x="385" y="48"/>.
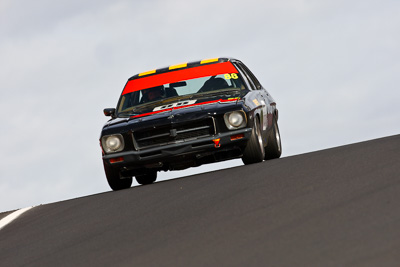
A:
<point x="115" y="181"/>
<point x="147" y="178"/>
<point x="254" y="151"/>
<point x="274" y="146"/>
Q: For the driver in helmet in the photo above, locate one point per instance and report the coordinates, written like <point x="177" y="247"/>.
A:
<point x="152" y="94"/>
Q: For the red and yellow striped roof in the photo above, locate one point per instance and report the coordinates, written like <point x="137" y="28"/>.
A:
<point x="179" y="72"/>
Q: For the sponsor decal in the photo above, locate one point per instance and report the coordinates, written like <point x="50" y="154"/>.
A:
<point x="174" y="105"/>
<point x="255" y="101"/>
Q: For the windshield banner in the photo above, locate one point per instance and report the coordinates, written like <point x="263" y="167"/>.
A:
<point x="178" y="75"/>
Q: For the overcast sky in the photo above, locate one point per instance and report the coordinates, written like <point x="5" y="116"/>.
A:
<point x="332" y="66"/>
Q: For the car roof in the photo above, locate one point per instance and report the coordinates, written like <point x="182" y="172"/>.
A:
<point x="182" y="66"/>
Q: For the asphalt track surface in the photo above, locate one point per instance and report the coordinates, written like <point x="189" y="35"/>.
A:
<point x="335" y="207"/>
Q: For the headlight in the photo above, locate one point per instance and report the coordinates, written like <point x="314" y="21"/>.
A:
<point x="112" y="143"/>
<point x="235" y="120"/>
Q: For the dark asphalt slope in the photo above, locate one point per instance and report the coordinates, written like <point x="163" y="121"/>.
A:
<point x="336" y="207"/>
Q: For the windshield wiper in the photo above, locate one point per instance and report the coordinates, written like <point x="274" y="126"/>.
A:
<point x="214" y="93"/>
<point x="126" y="114"/>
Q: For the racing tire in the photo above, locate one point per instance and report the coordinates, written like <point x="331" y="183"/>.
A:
<point x="274" y="145"/>
<point x="254" y="150"/>
<point x="147" y="178"/>
<point x="115" y="181"/>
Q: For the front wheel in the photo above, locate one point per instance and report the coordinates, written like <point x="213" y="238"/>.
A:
<point x="115" y="181"/>
<point x="254" y="151"/>
<point x="147" y="178"/>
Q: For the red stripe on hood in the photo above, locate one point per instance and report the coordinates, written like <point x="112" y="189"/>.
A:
<point x="192" y="105"/>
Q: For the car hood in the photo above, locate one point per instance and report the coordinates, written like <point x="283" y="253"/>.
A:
<point x="153" y="115"/>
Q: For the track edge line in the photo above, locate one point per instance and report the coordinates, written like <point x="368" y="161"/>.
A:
<point x="11" y="217"/>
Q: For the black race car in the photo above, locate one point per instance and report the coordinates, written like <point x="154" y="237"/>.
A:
<point x="187" y="115"/>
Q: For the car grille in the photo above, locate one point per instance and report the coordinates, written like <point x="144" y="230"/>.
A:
<point x="173" y="133"/>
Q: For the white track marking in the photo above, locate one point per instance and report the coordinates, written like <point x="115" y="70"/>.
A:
<point x="11" y="217"/>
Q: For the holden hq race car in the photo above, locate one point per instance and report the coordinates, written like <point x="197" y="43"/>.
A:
<point x="187" y="115"/>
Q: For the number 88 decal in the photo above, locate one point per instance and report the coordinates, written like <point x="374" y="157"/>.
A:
<point x="231" y="76"/>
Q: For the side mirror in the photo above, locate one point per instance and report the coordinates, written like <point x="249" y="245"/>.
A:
<point x="109" y="112"/>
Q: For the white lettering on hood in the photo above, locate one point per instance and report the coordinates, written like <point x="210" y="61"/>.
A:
<point x="175" y="105"/>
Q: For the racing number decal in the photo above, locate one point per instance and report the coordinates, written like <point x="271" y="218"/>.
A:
<point x="231" y="76"/>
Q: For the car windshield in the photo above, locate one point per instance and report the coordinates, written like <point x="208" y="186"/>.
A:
<point x="141" y="92"/>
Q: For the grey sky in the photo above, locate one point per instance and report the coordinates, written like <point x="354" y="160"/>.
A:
<point x="332" y="66"/>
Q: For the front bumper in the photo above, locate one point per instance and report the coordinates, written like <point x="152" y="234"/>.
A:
<point x="156" y="157"/>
